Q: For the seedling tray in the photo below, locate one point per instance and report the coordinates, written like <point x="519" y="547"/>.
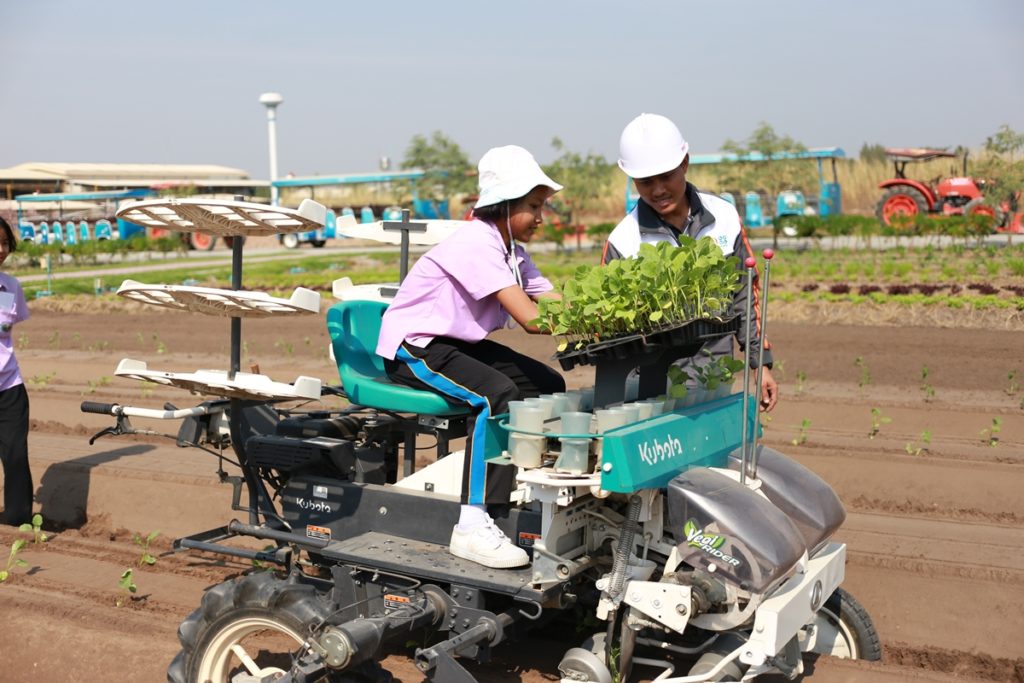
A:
<point x="221" y="302"/>
<point x="686" y="338"/>
<point x="225" y="217"/>
<point x="244" y="385"/>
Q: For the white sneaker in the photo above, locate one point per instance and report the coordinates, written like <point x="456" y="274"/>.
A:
<point x="486" y="544"/>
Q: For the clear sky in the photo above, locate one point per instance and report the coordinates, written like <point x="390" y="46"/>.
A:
<point x="179" y="81"/>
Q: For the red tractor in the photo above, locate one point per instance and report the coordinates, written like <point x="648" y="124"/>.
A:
<point x="961" y="195"/>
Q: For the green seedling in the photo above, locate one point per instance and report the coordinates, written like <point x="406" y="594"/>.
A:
<point x="127" y="586"/>
<point x="143" y="542"/>
<point x="285" y="347"/>
<point x="93" y="385"/>
<point x="677" y="382"/>
<point x="991" y="434"/>
<point x="161" y="348"/>
<point x="801" y="437"/>
<point x="141" y="337"/>
<point x="916" y="449"/>
<point x="927" y="389"/>
<point x="1014" y="385"/>
<point x="865" y="374"/>
<point x="22" y="341"/>
<point x="54" y="340"/>
<point x="877" y="420"/>
<point x="779" y="370"/>
<point x="801" y="377"/>
<point x="35" y="527"/>
<point x="307" y="341"/>
<point x="38" y="381"/>
<point x="13" y="560"/>
<point x="99" y="346"/>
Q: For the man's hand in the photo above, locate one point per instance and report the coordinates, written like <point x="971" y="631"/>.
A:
<point x="769" y="391"/>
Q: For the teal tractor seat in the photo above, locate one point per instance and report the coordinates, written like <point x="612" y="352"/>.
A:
<point x="354" y="327"/>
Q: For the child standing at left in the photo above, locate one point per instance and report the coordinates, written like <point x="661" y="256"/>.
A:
<point x="13" y="397"/>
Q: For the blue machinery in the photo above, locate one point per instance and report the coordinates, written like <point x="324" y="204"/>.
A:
<point x="68" y="231"/>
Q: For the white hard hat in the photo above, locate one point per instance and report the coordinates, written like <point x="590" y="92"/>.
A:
<point x="651" y="145"/>
<point x="509" y="172"/>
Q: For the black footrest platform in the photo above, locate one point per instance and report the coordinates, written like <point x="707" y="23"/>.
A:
<point x="431" y="562"/>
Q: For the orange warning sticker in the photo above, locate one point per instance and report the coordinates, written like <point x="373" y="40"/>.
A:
<point x="321" y="532"/>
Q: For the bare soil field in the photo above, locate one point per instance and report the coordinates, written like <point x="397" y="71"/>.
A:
<point x="932" y="486"/>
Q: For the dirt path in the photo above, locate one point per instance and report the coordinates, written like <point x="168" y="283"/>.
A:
<point x="936" y="536"/>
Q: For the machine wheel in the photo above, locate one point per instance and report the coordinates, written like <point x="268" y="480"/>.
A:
<point x="290" y="240"/>
<point x="978" y="207"/>
<point x="318" y="244"/>
<point x="843" y="628"/>
<point x="200" y="241"/>
<point x="901" y="201"/>
<point x="251" y="627"/>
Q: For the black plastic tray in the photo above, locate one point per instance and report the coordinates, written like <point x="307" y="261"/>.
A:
<point x="687" y="337"/>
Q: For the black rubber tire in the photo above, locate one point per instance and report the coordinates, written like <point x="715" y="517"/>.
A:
<point x="263" y="596"/>
<point x="318" y="244"/>
<point x="911" y="194"/>
<point x="858" y="622"/>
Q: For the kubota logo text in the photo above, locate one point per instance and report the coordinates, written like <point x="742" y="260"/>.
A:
<point x="708" y="543"/>
<point x="655" y="451"/>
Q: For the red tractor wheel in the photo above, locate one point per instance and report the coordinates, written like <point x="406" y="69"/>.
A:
<point x="200" y="241"/>
<point x="901" y="201"/>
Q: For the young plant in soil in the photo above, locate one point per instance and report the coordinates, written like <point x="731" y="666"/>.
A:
<point x="13" y="560"/>
<point x="35" y="527"/>
<point x="801" y="437"/>
<point x="865" y="374"/>
<point x="990" y="435"/>
<point x="927" y="389"/>
<point x="127" y="586"/>
<point x="801" y="377"/>
<point x="1014" y="385"/>
<point x="677" y="379"/>
<point x="916" y="449"/>
<point x="877" y="420"/>
<point x="143" y="542"/>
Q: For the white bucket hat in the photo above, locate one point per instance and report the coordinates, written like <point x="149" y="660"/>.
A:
<point x="651" y="145"/>
<point x="509" y="172"/>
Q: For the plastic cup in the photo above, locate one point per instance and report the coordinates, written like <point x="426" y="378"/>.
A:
<point x="575" y="398"/>
<point x="631" y="410"/>
<point x="546" y="403"/>
<point x="526" y="416"/>
<point x="657" y="406"/>
<point x="587" y="400"/>
<point x="643" y="410"/>
<point x="575" y="423"/>
<point x="560" y="401"/>
<point x="574" y="456"/>
<point x="526" y="451"/>
<point x="610" y="418"/>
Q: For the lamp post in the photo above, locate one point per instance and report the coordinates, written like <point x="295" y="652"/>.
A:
<point x="270" y="100"/>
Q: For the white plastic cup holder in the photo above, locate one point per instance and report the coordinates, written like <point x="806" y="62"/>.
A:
<point x="526" y="450"/>
<point x="575" y="399"/>
<point x="546" y="403"/>
<point x="574" y="456"/>
<point x="527" y="416"/>
<point x="643" y="410"/>
<point x="631" y="410"/>
<point x="575" y="423"/>
<point x="587" y="400"/>
<point x="560" y="401"/>
<point x="657" y="406"/>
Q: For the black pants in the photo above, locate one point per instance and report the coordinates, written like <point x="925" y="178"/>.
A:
<point x="14" y="454"/>
<point x="485" y="375"/>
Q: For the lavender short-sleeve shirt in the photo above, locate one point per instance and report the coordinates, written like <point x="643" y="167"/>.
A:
<point x="13" y="309"/>
<point x="450" y="292"/>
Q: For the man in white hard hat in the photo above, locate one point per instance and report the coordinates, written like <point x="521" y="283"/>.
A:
<point x="654" y="154"/>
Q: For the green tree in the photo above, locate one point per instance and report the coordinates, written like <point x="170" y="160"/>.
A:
<point x="872" y="154"/>
<point x="587" y="180"/>
<point x="447" y="168"/>
<point x="1002" y="168"/>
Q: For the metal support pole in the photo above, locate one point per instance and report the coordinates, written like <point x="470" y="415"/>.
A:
<point x="768" y="255"/>
<point x="405" y="227"/>
<point x="750" y="263"/>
